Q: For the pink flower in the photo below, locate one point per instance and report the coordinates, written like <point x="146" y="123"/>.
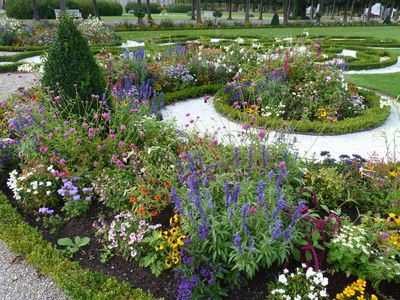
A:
<point x="63" y="161"/>
<point x="106" y="116"/>
<point x="57" y="129"/>
<point x="53" y="159"/>
<point x="66" y="134"/>
<point x="262" y="133"/>
<point x="91" y="132"/>
<point x="282" y="165"/>
<point x="99" y="147"/>
<point x="121" y="144"/>
<point x="72" y="130"/>
<point x="122" y="127"/>
<point x="78" y="140"/>
<point x="244" y="103"/>
<point x="246" y="126"/>
<point x="141" y="134"/>
<point x="252" y="211"/>
<point x="183" y="155"/>
<point x="259" y="99"/>
<point x="85" y="125"/>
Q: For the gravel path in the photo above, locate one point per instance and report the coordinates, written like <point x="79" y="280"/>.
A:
<point x="19" y="280"/>
<point x="391" y="69"/>
<point x="204" y="118"/>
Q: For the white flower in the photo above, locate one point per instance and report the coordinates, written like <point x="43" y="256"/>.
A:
<point x="285" y="271"/>
<point x="323" y="293"/>
<point x="282" y="279"/>
<point x="324" y="281"/>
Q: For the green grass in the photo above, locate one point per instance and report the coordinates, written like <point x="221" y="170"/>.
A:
<point x="379" y="32"/>
<point x="385" y="83"/>
<point x="182" y="16"/>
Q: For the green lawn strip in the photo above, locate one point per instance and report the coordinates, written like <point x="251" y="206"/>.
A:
<point x="379" y="32"/>
<point x="77" y="282"/>
<point x="387" y="84"/>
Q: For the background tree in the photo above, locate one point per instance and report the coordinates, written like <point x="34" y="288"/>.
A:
<point x="35" y="10"/>
<point x="229" y="10"/>
<point x="198" y="12"/>
<point x="63" y="7"/>
<point x="247" y="12"/>
<point x="149" y="18"/>
<point x="96" y="9"/>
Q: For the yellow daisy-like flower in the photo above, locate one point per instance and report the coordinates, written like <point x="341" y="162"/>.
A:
<point x="373" y="297"/>
<point x="360" y="297"/>
<point x="174" y="230"/>
<point x="361" y="282"/>
<point x="175" y="260"/>
<point x="339" y="296"/>
<point x="348" y="291"/>
<point x="393" y="173"/>
<point x="159" y="247"/>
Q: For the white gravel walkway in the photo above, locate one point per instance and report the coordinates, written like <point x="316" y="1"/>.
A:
<point x="205" y="118"/>
<point x="391" y="69"/>
<point x="19" y="280"/>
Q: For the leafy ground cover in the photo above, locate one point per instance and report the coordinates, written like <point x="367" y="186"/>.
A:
<point x="177" y="213"/>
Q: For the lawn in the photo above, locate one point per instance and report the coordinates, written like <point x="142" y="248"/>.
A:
<point x="182" y="16"/>
<point x="385" y="83"/>
<point x="390" y="32"/>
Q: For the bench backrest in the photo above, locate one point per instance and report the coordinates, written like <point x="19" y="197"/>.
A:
<point x="71" y="12"/>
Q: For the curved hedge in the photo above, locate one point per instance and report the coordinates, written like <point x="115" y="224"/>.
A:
<point x="78" y="283"/>
<point x="369" y="119"/>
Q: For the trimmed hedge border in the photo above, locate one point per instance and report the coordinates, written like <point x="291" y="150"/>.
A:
<point x="19" y="56"/>
<point x="9" y="68"/>
<point x="77" y="282"/>
<point x="369" y="119"/>
<point x="191" y="92"/>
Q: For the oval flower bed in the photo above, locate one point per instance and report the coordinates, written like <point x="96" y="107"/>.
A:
<point x="291" y="88"/>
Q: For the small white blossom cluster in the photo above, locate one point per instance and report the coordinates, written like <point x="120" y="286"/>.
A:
<point x="354" y="237"/>
<point x="10" y="26"/>
<point x="96" y="31"/>
<point x="304" y="283"/>
<point x="23" y="184"/>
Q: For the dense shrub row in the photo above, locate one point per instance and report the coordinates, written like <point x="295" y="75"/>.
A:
<point x="154" y="7"/>
<point x="22" y="9"/>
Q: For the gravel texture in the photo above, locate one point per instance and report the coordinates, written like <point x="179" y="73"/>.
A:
<point x="391" y="69"/>
<point x="204" y="118"/>
<point x="19" y="280"/>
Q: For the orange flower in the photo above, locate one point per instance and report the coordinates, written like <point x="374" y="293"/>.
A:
<point x="132" y="199"/>
<point x="167" y="184"/>
<point x="145" y="192"/>
<point x="179" y="150"/>
<point x="153" y="213"/>
<point x="157" y="197"/>
<point x="140" y="211"/>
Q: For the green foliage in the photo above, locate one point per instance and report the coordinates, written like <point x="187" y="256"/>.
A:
<point x="72" y="246"/>
<point x="140" y="12"/>
<point x="387" y="20"/>
<point x="299" y="9"/>
<point x="71" y="63"/>
<point x="154" y="7"/>
<point x="179" y="7"/>
<point x="328" y="184"/>
<point x="275" y="20"/>
<point x="217" y="14"/>
<point x="109" y="8"/>
<point x="19" y="9"/>
<point x="77" y="282"/>
<point x="191" y="92"/>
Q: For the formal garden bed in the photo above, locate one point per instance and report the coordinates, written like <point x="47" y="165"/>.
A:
<point x="91" y="164"/>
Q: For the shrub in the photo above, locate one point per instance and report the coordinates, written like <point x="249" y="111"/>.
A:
<point x="19" y="9"/>
<point x="275" y="20"/>
<point x="71" y="63"/>
<point x="217" y="14"/>
<point x="110" y="8"/>
<point x="154" y="7"/>
<point x="179" y="7"/>
<point x="387" y="21"/>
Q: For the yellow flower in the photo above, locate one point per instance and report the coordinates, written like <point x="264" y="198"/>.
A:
<point x="174" y="230"/>
<point x="393" y="173"/>
<point x="339" y="296"/>
<point x="159" y="247"/>
<point x="361" y="282"/>
<point x="180" y="240"/>
<point x="360" y="297"/>
<point x="175" y="260"/>
<point x="168" y="262"/>
<point x="373" y="297"/>
<point x="348" y="291"/>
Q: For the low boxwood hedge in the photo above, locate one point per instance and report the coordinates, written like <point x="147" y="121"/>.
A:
<point x="78" y="283"/>
<point x="370" y="118"/>
<point x="19" y="56"/>
<point x="191" y="92"/>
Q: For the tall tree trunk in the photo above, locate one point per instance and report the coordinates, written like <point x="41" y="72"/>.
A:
<point x="63" y="7"/>
<point x="285" y="11"/>
<point x="261" y="9"/>
<point x="96" y="9"/>
<point x="229" y="9"/>
<point x="321" y="6"/>
<point x="352" y="10"/>
<point x="333" y="10"/>
<point x="149" y="18"/>
<point x="35" y="11"/>
<point x="246" y="12"/>
<point x="346" y="10"/>
<point x="193" y="10"/>
<point x="288" y="10"/>
<point x="369" y="10"/>
<point x="139" y="7"/>
<point x="391" y="8"/>
<point x="198" y="12"/>
<point x="312" y="10"/>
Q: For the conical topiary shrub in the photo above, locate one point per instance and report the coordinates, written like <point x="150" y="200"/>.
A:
<point x="71" y="67"/>
<point x="275" y="20"/>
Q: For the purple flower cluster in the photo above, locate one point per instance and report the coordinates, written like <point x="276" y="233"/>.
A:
<point x="71" y="190"/>
<point x="180" y="72"/>
<point x="46" y="211"/>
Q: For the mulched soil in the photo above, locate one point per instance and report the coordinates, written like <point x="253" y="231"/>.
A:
<point x="167" y="284"/>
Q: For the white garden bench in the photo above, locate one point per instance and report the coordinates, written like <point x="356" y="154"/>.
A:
<point x="205" y="13"/>
<point x="75" y="13"/>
